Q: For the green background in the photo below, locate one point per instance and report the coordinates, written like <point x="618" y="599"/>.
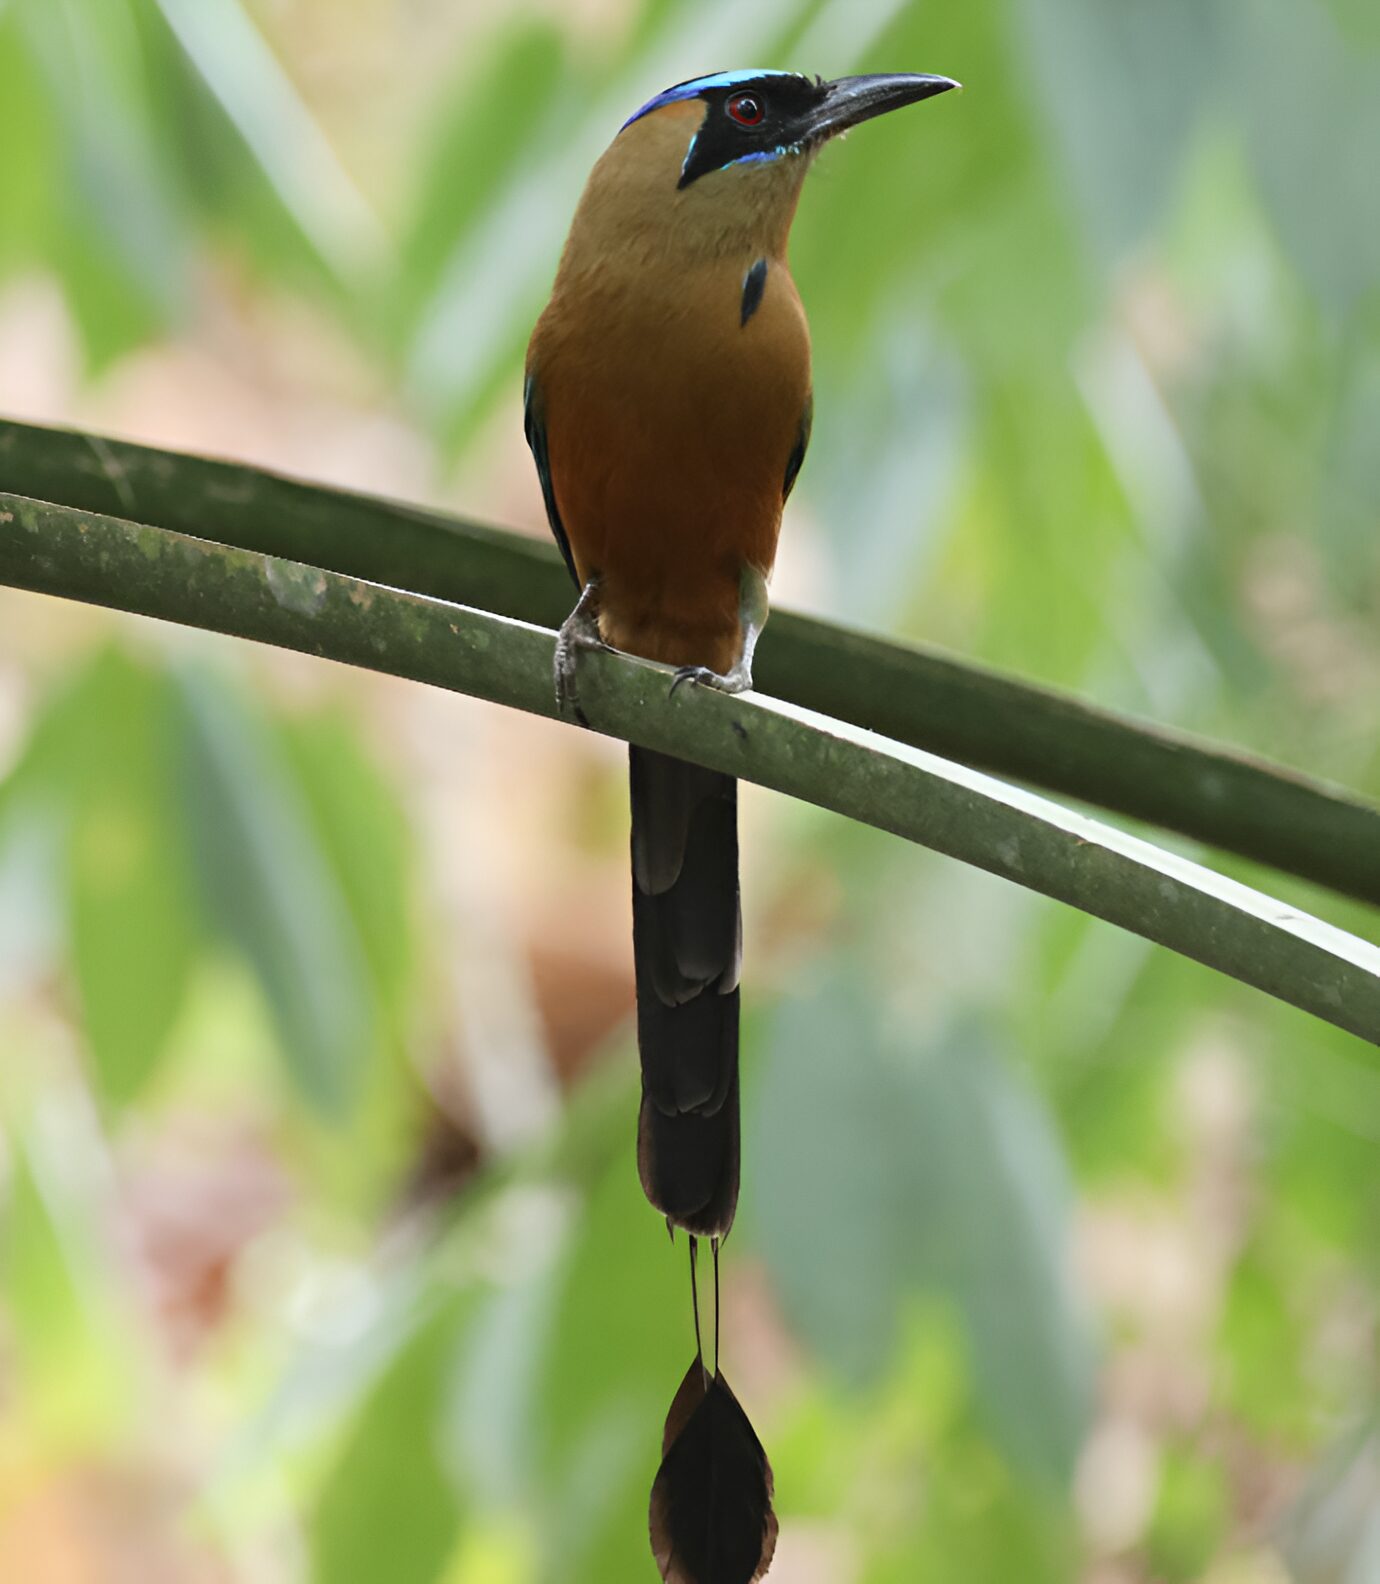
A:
<point x="321" y="1250"/>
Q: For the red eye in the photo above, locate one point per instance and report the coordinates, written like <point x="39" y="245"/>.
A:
<point x="746" y="109"/>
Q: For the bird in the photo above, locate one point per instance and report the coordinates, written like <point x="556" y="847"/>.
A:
<point x="668" y="406"/>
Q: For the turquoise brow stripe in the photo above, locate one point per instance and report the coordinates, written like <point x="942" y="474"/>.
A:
<point x="700" y="85"/>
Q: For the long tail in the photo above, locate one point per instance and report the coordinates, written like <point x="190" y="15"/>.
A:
<point x="687" y="944"/>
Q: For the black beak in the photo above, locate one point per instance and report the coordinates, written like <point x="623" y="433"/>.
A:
<point x="849" y="101"/>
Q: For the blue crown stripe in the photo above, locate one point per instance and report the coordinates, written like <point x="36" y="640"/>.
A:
<point x="698" y="86"/>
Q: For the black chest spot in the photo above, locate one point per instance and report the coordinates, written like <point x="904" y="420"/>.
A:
<point x="754" y="288"/>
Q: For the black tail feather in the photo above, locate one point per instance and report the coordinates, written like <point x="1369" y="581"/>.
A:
<point x="711" y="1517"/>
<point x="687" y="941"/>
<point x="689" y="1164"/>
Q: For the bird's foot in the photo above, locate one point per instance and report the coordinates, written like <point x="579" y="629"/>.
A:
<point x="752" y="614"/>
<point x="738" y="680"/>
<point x="579" y="631"/>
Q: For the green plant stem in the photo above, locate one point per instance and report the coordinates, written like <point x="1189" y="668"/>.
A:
<point x="950" y="808"/>
<point x="1227" y="799"/>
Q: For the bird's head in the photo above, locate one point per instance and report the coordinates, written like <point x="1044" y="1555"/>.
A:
<point x="766" y="117"/>
<point x="731" y="149"/>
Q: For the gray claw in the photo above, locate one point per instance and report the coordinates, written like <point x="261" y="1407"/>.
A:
<point x="580" y="630"/>
<point x="738" y="680"/>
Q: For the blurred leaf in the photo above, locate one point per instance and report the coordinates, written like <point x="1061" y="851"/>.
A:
<point x="880" y="1170"/>
<point x="31" y="844"/>
<point x="1319" y="1140"/>
<point x="885" y="503"/>
<point x="1124" y="87"/>
<point x="226" y="47"/>
<point x="1332" y="1536"/>
<point x="29" y="185"/>
<point x="120" y="246"/>
<point x="95" y="787"/>
<point x="363" y="832"/>
<point x="1190" y="1516"/>
<point x="1106" y="1033"/>
<point x="269" y="888"/>
<point x="1043" y="461"/>
<point x="492" y="121"/>
<point x="1315" y="169"/>
<point x="942" y="197"/>
<point x="1263" y="1343"/>
<point x="71" y="1348"/>
<point x="1350" y="485"/>
<point x="1359" y="22"/>
<point x="981" y="1524"/>
<point x="226" y="194"/>
<point x="390" y="1512"/>
<point x="133" y="928"/>
<point x="620" y="1333"/>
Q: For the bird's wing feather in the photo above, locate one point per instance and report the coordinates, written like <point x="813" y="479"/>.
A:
<point x="802" y="445"/>
<point x="534" y="426"/>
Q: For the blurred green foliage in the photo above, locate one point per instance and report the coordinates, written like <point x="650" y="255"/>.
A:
<point x="1098" y="372"/>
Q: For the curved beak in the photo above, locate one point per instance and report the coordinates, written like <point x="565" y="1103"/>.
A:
<point x="850" y="101"/>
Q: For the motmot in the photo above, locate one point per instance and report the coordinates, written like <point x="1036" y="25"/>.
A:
<point x="668" y="408"/>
